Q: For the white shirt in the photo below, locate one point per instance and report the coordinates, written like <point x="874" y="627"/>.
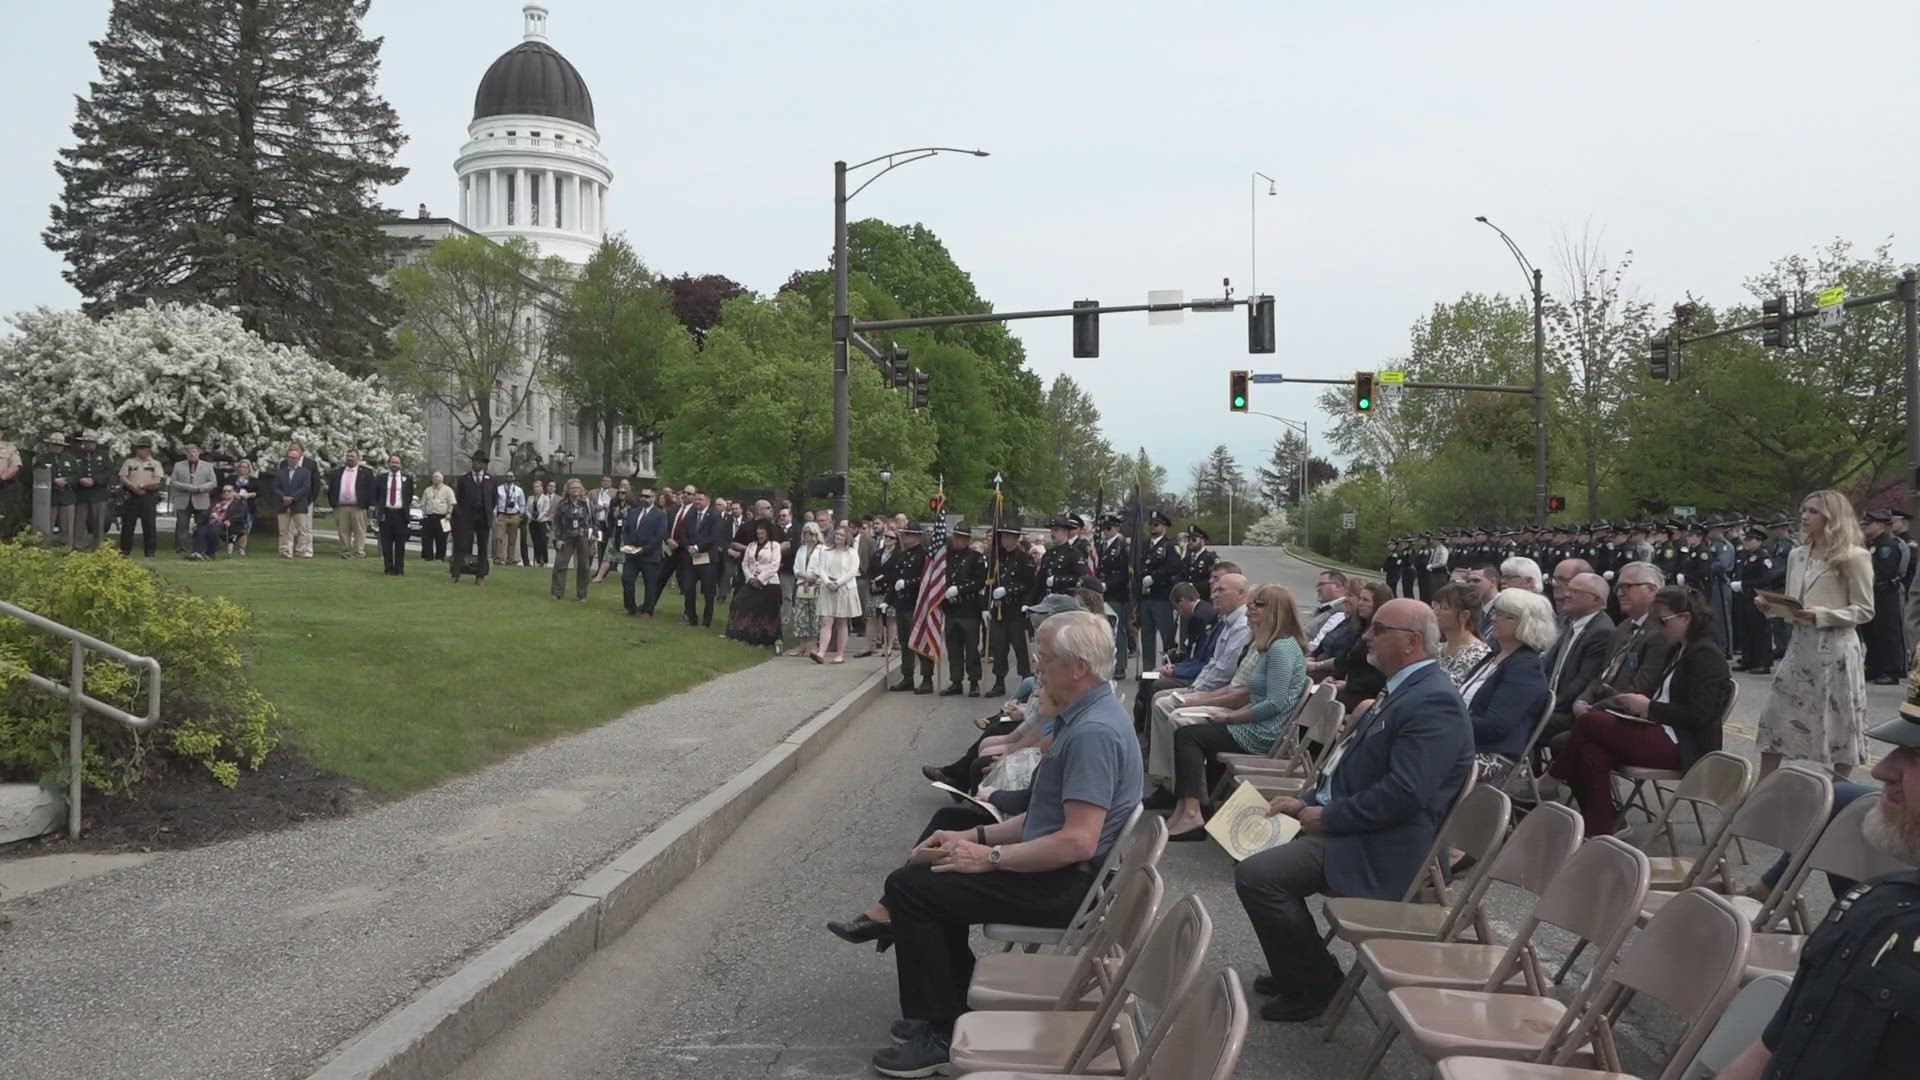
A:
<point x="1326" y="628"/>
<point x="1665" y="697"/>
<point x="350" y="485"/>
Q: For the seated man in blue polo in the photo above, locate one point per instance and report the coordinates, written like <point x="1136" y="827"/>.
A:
<point x="1033" y="869"/>
<point x="1369" y="822"/>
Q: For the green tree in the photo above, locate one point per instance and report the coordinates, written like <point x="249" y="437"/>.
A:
<point x="472" y="334"/>
<point x="614" y="338"/>
<point x="1086" y="458"/>
<point x="1216" y="479"/>
<point x="1596" y="332"/>
<point x="229" y="154"/>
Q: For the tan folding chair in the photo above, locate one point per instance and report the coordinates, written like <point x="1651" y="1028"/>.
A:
<point x="1300" y="774"/>
<point x="1290" y="748"/>
<point x="1109" y="1040"/>
<point x="1105" y="880"/>
<point x="1017" y="980"/>
<point x="1842" y="850"/>
<point x="1786" y="811"/>
<point x="1477" y="825"/>
<point x="1533" y="859"/>
<point x="1525" y="770"/>
<point x="1689" y="960"/>
<point x="1204" y="1041"/>
<point x="1644" y="778"/>
<point x="1720" y="780"/>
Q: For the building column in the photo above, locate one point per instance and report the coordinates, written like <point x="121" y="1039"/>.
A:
<point x="575" y="208"/>
<point x="550" y="185"/>
<point x="522" y="199"/>
<point x="497" y="195"/>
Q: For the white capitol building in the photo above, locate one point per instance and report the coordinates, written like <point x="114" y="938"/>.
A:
<point x="531" y="168"/>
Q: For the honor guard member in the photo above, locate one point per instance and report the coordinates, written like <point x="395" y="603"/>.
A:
<point x="1902" y="522"/>
<point x="94" y="508"/>
<point x="1666" y="551"/>
<point x="1696" y="561"/>
<point x="1885" y="636"/>
<point x="10" y="469"/>
<point x="1115" y="571"/>
<point x="1083" y="541"/>
<point x="966" y="599"/>
<point x="1781" y="526"/>
<point x="1853" y="1009"/>
<point x="63" y="467"/>
<point x="1752" y="570"/>
<point x="1159" y="572"/>
<point x="1006" y="623"/>
<point x="1433" y="565"/>
<point x="1721" y="557"/>
<point x="1196" y="563"/>
<point x="903" y="592"/>
<point x="1390" y="566"/>
<point x="1062" y="567"/>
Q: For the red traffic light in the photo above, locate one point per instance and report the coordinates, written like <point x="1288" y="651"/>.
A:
<point x="1556" y="503"/>
<point x="937" y="503"/>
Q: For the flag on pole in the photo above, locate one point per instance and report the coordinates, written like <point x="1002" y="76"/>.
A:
<point x="927" y="633"/>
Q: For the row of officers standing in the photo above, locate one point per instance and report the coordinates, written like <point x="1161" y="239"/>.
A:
<point x="989" y="591"/>
<point x="90" y="484"/>
<point x="1725" y="560"/>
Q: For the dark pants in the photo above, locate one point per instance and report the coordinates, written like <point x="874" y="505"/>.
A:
<point x="1273" y="887"/>
<point x="1143" y="704"/>
<point x="1424" y="580"/>
<point x="1156" y="619"/>
<point x="963" y="647"/>
<point x="143" y="509"/>
<point x="1122" y="634"/>
<point x="1886" y="636"/>
<point x="698" y="582"/>
<point x="1005" y="632"/>
<point x="208" y="538"/>
<point x="954" y="819"/>
<point x="1750" y="634"/>
<point x="539" y="531"/>
<point x="1599" y="744"/>
<point x="577" y="550"/>
<point x="1195" y="746"/>
<point x="393" y="541"/>
<point x="648" y="572"/>
<point x="186" y="524"/>
<point x="433" y="540"/>
<point x="903" y="625"/>
<point x="961" y="773"/>
<point x="470" y="532"/>
<point x="931" y="916"/>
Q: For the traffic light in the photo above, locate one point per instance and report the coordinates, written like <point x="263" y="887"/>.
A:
<point x="1556" y="503"/>
<point x="897" y="377"/>
<point x="1363" y="390"/>
<point x="1237" y="390"/>
<point x="1260" y="324"/>
<point x="1773" y="322"/>
<point x="1660" y="357"/>
<point x="922" y="381"/>
<point x="1086" y="332"/>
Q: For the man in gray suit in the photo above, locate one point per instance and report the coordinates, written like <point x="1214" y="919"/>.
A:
<point x="192" y="485"/>
<point x="1371" y="818"/>
<point x="1579" y="653"/>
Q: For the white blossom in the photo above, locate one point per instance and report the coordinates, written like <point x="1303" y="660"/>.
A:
<point x="182" y="374"/>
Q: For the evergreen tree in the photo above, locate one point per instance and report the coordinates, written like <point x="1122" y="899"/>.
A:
<point x="229" y="153"/>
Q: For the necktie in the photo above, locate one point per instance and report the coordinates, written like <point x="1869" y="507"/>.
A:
<point x="393" y="492"/>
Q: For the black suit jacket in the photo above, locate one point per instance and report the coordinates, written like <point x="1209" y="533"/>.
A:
<point x="1636" y="660"/>
<point x="363" y="490"/>
<point x="473" y="499"/>
<point x="378" y="497"/>
<point x="1701" y="685"/>
<point x="1585" y="658"/>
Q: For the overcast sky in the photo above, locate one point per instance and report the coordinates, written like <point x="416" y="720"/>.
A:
<point x="1123" y="137"/>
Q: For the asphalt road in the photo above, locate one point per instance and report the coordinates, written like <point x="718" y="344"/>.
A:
<point x="734" y="975"/>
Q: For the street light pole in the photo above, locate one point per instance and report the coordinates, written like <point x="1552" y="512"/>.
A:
<point x="842" y="316"/>
<point x="1306" y="455"/>
<point x="1253" y="229"/>
<point x="1535" y="283"/>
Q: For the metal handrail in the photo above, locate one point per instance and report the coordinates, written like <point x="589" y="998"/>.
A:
<point x="78" y="701"/>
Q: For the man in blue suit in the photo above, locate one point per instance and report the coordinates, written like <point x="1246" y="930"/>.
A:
<point x="643" y="536"/>
<point x="1370" y="820"/>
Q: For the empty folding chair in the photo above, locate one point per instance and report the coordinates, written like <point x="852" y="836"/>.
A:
<point x="1689" y="960"/>
<point x="1203" y="1042"/>
<point x="1720" y="780"/>
<point x="1787" y="810"/>
<point x="1109" y="1040"/>
<point x="1740" y="1025"/>
<point x="1842" y="851"/>
<point x="1644" y="778"/>
<point x="1317" y="721"/>
<point x="1065" y="981"/>
<point x="1535" y="859"/>
<point x="1104" y="880"/>
<point x="1477" y="825"/>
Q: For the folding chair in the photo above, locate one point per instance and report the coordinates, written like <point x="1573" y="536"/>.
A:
<point x="1741" y="1024"/>
<point x="1720" y="780"/>
<point x="1477" y="825"/>
<point x="1064" y="981"/>
<point x="1532" y="856"/>
<point x="1842" y="850"/>
<point x="1110" y="1040"/>
<point x="1289" y="748"/>
<point x="1689" y="960"/>
<point x="1643" y="778"/>
<point x="1300" y="774"/>
<point x="1203" y="1042"/>
<point x="1105" y="879"/>
<point x="1527" y="768"/>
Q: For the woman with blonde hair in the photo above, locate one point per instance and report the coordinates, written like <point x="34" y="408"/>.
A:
<point x="803" y="614"/>
<point x="839" y="600"/>
<point x="1276" y="687"/>
<point x="1817" y="708"/>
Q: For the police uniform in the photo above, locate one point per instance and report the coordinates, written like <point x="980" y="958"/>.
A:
<point x="1853" y="1010"/>
<point x="1196" y="564"/>
<point x="903" y="593"/>
<point x="1753" y="570"/>
<point x="1159" y="572"/>
<point x="93" y="508"/>
<point x="1012" y="578"/>
<point x="1721" y="557"/>
<point x="966" y="597"/>
<point x="63" y="467"/>
<point x="1901" y="519"/>
<point x="1116" y="576"/>
<point x="1061" y="568"/>
<point x="1885" y="636"/>
<point x="141" y="480"/>
<point x="10" y="488"/>
<point x="1782" y="546"/>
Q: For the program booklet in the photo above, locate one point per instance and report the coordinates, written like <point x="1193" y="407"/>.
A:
<point x="1243" y="826"/>
<point x="981" y="803"/>
<point x="1779" y="599"/>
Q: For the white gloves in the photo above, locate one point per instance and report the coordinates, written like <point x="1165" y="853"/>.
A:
<point x="1000" y="593"/>
<point x="952" y="591"/>
<point x="1734" y="585"/>
<point x="1680" y="579"/>
<point x="1608" y="575"/>
<point x="900" y="585"/>
<point x="1147" y="582"/>
<point x="1052" y="580"/>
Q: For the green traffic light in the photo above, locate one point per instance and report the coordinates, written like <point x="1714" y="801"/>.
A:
<point x="1365" y="404"/>
<point x="1239" y="401"/>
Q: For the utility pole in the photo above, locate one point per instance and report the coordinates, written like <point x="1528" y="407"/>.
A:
<point x="1909" y="290"/>
<point x="1539" y="371"/>
<point x="842" y="330"/>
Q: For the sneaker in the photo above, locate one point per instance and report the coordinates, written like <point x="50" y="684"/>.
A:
<point x="927" y="1054"/>
<point x="905" y="1030"/>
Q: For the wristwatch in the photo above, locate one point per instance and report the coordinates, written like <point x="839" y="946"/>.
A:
<point x="993" y="855"/>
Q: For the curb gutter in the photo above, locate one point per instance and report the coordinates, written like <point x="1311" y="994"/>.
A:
<point x="432" y="1034"/>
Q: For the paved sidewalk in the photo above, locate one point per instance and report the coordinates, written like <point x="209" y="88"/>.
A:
<point x="258" y="957"/>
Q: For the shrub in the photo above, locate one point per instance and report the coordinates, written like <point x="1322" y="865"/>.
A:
<point x="211" y="716"/>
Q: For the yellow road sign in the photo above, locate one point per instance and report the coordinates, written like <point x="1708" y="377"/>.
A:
<point x="1393" y="378"/>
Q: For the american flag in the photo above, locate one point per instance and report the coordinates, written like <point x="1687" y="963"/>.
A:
<point x="927" y="632"/>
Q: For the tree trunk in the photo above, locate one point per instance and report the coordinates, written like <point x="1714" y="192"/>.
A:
<point x="606" y="443"/>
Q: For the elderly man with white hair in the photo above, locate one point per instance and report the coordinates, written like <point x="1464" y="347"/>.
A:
<point x="1521" y="572"/>
<point x="1231" y="641"/>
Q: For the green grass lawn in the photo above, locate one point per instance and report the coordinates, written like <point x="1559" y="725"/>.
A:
<point x="403" y="682"/>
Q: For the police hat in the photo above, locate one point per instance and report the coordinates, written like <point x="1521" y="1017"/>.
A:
<point x="1901" y="514"/>
<point x="1884" y="517"/>
<point x="1195" y="530"/>
<point x="1110" y="520"/>
<point x="962" y="528"/>
<point x="56" y="439"/>
<point x="913" y="528"/>
<point x="85" y="436"/>
<point x="1066" y="521"/>
<point x="1780" y="521"/>
<point x="1008" y="527"/>
<point x="1754" y="531"/>
<point x="1160" y="518"/>
<point x="1904" y="730"/>
<point x="143" y="443"/>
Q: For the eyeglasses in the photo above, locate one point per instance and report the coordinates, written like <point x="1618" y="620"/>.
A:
<point x="1637" y="585"/>
<point x="1665" y="619"/>
<point x="1373" y="628"/>
<point x="1257" y="603"/>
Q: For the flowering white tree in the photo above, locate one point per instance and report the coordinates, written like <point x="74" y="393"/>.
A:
<point x="1269" y="531"/>
<point x="189" y="374"/>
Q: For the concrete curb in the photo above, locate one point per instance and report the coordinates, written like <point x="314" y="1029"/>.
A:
<point x="1324" y="563"/>
<point x="432" y="1034"/>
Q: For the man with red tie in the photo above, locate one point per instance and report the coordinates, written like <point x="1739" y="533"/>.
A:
<point x="395" y="504"/>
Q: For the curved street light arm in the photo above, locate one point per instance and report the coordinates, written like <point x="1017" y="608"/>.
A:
<point x="1526" y="265"/>
<point x="905" y="157"/>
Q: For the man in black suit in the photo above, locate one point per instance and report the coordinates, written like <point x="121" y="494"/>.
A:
<point x="1579" y="653"/>
<point x="707" y="538"/>
<point x="645" y="532"/>
<point x="473" y="498"/>
<point x="394" y="501"/>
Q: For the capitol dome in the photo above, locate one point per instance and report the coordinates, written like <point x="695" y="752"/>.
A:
<point x="533" y="79"/>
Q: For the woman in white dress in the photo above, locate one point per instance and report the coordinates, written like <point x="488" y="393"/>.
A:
<point x="1817" y="709"/>
<point x="839" y="567"/>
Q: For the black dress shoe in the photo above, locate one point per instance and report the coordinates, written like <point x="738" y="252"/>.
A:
<point x="859" y="930"/>
<point x="1266" y="985"/>
<point x="999" y="688"/>
<point x="951" y="691"/>
<point x="938" y="775"/>
<point x="1297" y="1006"/>
<point x="1161" y="799"/>
<point x="973" y="689"/>
<point x="925" y="687"/>
<point x="903" y="684"/>
<point x="1198" y="832"/>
